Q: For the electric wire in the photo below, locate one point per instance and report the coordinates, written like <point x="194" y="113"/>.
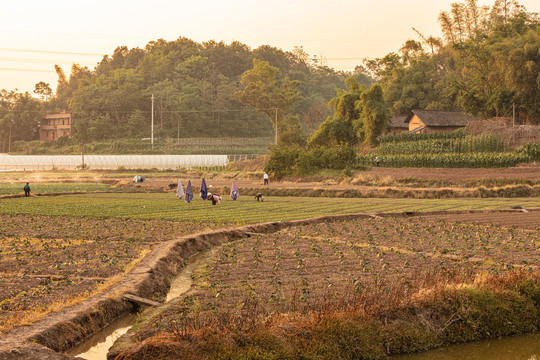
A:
<point x="51" y="52"/>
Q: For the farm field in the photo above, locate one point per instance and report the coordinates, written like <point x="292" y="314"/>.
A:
<point x="349" y="256"/>
<point x="58" y="250"/>
<point x="456" y="175"/>
<point x="270" y="287"/>
<point x="49" y="188"/>
<point x="160" y="179"/>
<point x="49" y="262"/>
<point x="245" y="210"/>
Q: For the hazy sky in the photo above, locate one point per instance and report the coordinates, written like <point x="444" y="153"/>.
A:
<point x="82" y="31"/>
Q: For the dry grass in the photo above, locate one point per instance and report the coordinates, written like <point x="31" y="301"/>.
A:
<point x="439" y="312"/>
<point x="256" y="164"/>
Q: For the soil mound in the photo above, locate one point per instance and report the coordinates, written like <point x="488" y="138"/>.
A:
<point x="256" y="164"/>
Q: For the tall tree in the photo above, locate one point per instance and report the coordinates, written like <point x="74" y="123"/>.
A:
<point x="264" y="89"/>
<point x="374" y="114"/>
<point x="43" y="89"/>
<point x="344" y="126"/>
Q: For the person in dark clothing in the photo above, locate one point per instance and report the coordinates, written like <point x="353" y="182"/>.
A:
<point x="259" y="197"/>
<point x="215" y="198"/>
<point x="27" y="189"/>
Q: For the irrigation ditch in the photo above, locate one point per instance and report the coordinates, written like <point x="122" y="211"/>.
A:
<point x="55" y="334"/>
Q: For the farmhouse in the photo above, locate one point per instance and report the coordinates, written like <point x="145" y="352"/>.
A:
<point x="397" y="125"/>
<point x="428" y="121"/>
<point x="53" y="126"/>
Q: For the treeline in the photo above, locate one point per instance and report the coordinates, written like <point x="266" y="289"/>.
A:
<point x="487" y="60"/>
<point x="197" y="91"/>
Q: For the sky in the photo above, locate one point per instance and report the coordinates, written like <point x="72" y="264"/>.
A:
<point x="36" y="35"/>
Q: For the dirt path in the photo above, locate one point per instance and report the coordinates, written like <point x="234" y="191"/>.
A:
<point x="529" y="173"/>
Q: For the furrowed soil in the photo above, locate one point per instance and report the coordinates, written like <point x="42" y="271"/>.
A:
<point x="49" y="262"/>
<point x="273" y="286"/>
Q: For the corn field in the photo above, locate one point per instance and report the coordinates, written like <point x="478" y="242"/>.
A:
<point x="459" y="145"/>
<point x="448" y="160"/>
<point x="447" y="150"/>
<point x="418" y="137"/>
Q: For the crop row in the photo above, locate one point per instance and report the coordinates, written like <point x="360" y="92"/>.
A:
<point x="419" y="137"/>
<point x="244" y="210"/>
<point x="47" y="188"/>
<point x="467" y="144"/>
<point x="45" y="260"/>
<point x="448" y="160"/>
<point x="327" y="264"/>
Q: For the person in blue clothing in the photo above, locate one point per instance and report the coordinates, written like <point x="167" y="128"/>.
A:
<point x="27" y="190"/>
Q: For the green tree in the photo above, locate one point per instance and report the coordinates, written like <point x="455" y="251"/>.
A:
<point x="518" y="60"/>
<point x="264" y="89"/>
<point x="374" y="114"/>
<point x="343" y="126"/>
<point x="43" y="89"/>
<point x="20" y="114"/>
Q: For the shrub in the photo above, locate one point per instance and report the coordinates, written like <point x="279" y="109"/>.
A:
<point x="282" y="160"/>
<point x="335" y="157"/>
<point x="290" y="159"/>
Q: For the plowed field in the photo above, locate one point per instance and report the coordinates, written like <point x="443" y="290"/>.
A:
<point x="49" y="261"/>
<point x="371" y="262"/>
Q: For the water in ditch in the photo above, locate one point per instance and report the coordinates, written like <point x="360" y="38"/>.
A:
<point x="523" y="347"/>
<point x="97" y="346"/>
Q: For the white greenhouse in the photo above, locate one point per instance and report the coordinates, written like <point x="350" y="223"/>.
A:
<point x="72" y="162"/>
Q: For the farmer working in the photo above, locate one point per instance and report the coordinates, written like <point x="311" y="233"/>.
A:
<point x="27" y="189"/>
<point x="215" y="198"/>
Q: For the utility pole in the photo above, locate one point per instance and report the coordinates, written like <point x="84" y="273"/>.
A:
<point x="152" y="135"/>
<point x="513" y="115"/>
<point x="82" y="156"/>
<point x="276" y="126"/>
<point x="513" y="121"/>
<point x="9" y="143"/>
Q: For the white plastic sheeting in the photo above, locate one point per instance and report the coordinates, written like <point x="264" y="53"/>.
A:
<point x="48" y="162"/>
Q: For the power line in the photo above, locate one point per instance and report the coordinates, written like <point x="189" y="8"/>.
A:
<point x="346" y="58"/>
<point x="41" y="61"/>
<point x="156" y="111"/>
<point x="51" y="52"/>
<point x="29" y="70"/>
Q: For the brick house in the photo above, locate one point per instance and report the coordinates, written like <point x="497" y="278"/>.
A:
<point x="53" y="126"/>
